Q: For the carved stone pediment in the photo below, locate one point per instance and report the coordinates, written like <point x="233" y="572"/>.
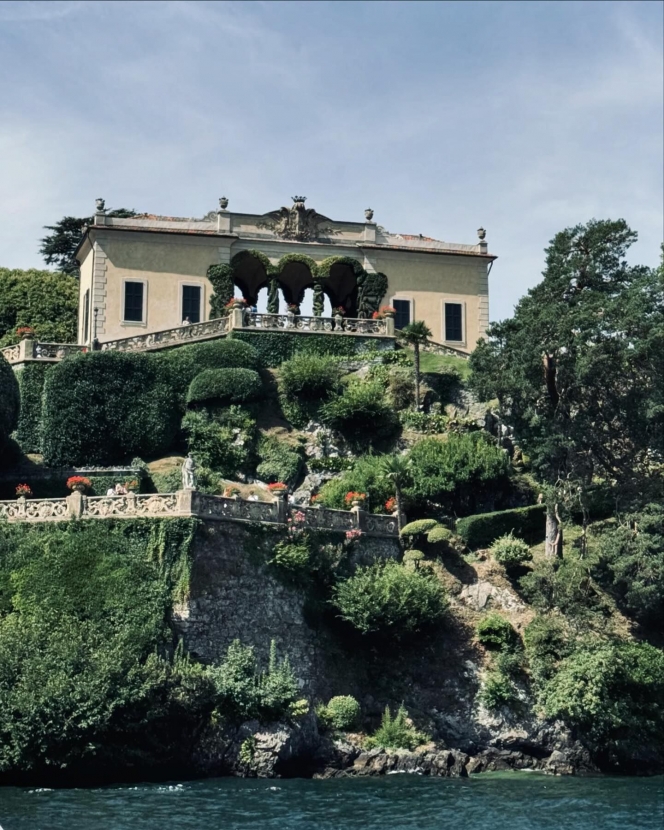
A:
<point x="297" y="222"/>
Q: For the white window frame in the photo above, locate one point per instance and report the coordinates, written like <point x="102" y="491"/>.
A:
<point x="403" y="299"/>
<point x="191" y="284"/>
<point x="142" y="322"/>
<point x="464" y="333"/>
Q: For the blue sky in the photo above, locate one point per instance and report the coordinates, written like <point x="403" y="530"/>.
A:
<point x="523" y="117"/>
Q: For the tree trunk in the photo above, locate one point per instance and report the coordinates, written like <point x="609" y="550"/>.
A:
<point x="554" y="532"/>
<point x="417" y="376"/>
<point x="397" y="494"/>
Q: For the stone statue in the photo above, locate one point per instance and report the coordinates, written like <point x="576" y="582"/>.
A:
<point x="189" y="473"/>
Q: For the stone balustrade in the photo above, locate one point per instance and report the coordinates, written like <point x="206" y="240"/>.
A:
<point x="169" y="337"/>
<point x="299" y="322"/>
<point x="200" y="505"/>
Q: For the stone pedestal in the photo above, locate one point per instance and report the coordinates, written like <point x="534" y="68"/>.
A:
<point x="185" y="502"/>
<point x="75" y="505"/>
<point x="281" y="506"/>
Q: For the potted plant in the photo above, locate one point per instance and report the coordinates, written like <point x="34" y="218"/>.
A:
<point x="25" y="332"/>
<point x="384" y="312"/>
<point x="355" y="499"/>
<point x="78" y="484"/>
<point x="391" y="504"/>
<point x="23" y="491"/>
<point x="278" y="488"/>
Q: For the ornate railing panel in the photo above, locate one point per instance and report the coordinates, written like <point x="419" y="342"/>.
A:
<point x="152" y="504"/>
<point x="221" y="507"/>
<point x="11" y="353"/>
<point x="57" y="351"/>
<point x="298" y="322"/>
<point x="37" y="510"/>
<point x="169" y="337"/>
<point x="379" y="525"/>
<point x="324" y="518"/>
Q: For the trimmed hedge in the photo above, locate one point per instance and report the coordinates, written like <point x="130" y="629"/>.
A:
<point x="181" y="365"/>
<point x="103" y="407"/>
<point x="9" y="401"/>
<point x="225" y="386"/>
<point x="480" y="531"/>
<point x="31" y="385"/>
<point x="275" y="347"/>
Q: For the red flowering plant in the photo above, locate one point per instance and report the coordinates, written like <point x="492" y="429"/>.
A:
<point x="317" y="499"/>
<point x="277" y="487"/>
<point x="353" y="535"/>
<point x="391" y="504"/>
<point x="80" y="483"/>
<point x="25" y="331"/>
<point x="352" y="496"/>
<point x="23" y="490"/>
<point x="231" y="491"/>
<point x="384" y="311"/>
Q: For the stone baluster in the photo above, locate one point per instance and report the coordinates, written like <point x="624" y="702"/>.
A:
<point x="75" y="505"/>
<point x="281" y="507"/>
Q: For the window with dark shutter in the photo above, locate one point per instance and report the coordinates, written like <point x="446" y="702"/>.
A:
<point x="454" y="322"/>
<point x="191" y="303"/>
<point x="402" y="316"/>
<point x="133" y="302"/>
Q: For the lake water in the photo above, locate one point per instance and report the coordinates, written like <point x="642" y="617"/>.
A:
<point x="505" y="801"/>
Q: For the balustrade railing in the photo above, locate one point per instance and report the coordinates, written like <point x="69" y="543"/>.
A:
<point x="299" y="322"/>
<point x="168" y="337"/>
<point x="194" y="503"/>
<point x="11" y="353"/>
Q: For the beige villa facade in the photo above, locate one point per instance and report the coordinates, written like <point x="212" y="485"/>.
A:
<point x="151" y="273"/>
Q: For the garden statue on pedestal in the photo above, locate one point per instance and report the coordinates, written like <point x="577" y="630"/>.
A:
<point x="189" y="473"/>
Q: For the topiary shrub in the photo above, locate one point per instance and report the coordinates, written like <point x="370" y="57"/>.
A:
<point x="103" y="407"/>
<point x="225" y="386"/>
<point x="361" y="414"/>
<point x="440" y="535"/>
<point x="510" y="552"/>
<point x="481" y="530"/>
<point x="9" y="401"/>
<point x="306" y="381"/>
<point x="31" y="385"/>
<point x="418" y="527"/>
<point x="495" y="632"/>
<point x="279" y="461"/>
<point x="342" y="712"/>
<point x="413" y="558"/>
<point x="396" y="732"/>
<point x="387" y="598"/>
<point x="183" y="363"/>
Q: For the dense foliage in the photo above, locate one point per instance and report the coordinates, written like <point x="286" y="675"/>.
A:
<point x="510" y="551"/>
<point x="361" y="413"/>
<point x="275" y="347"/>
<point x="223" y="441"/>
<point x="104" y="407"/>
<point x="456" y="470"/>
<point x="9" y="401"/>
<point x="305" y="382"/>
<point x="42" y="300"/>
<point x="341" y="712"/>
<point x="31" y="385"/>
<point x="481" y="530"/>
<point x="363" y="477"/>
<point x="495" y="632"/>
<point x="225" y="386"/>
<point x="86" y="682"/>
<point x="396" y="732"/>
<point x="278" y="461"/>
<point x="389" y="599"/>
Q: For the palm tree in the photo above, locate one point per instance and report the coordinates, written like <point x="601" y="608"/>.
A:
<point x="397" y="469"/>
<point x="415" y="334"/>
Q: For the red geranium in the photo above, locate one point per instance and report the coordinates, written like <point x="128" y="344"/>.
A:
<point x="277" y="486"/>
<point x="352" y="496"/>
<point x="390" y="504"/>
<point x="23" y="490"/>
<point x="78" y="481"/>
<point x="25" y="331"/>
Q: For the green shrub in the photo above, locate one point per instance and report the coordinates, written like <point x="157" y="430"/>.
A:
<point x="293" y="557"/>
<point x="396" y="732"/>
<point x="612" y="694"/>
<point x="83" y="610"/>
<point x="103" y="407"/>
<point x="481" y="530"/>
<point x="401" y="388"/>
<point x="510" y="551"/>
<point x="389" y="599"/>
<point x="495" y="632"/>
<point x="279" y="461"/>
<point x="497" y="690"/>
<point x="44" y="300"/>
<point x="418" y="527"/>
<point x="246" y="693"/>
<point x="225" y="386"/>
<point x="414" y="558"/>
<point x="565" y="584"/>
<point x="361" y="414"/>
<point x="9" y="401"/>
<point x="223" y="441"/>
<point x="275" y="347"/>
<point x="306" y="381"/>
<point x="631" y="565"/>
<point x="330" y="464"/>
<point x="429" y="423"/>
<point x="31" y="385"/>
<point x="168" y="482"/>
<point x="456" y="470"/>
<point x="364" y="477"/>
<point x="342" y="712"/>
<point x="183" y="363"/>
<point x="546" y="643"/>
<point x="440" y="535"/>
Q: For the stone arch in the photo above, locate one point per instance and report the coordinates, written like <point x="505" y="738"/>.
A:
<point x="251" y="272"/>
<point x="341" y="278"/>
<point x="296" y="273"/>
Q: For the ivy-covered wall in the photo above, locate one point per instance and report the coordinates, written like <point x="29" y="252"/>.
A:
<point x="31" y="385"/>
<point x="275" y="347"/>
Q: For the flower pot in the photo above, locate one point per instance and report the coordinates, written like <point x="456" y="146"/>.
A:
<point x="78" y="488"/>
